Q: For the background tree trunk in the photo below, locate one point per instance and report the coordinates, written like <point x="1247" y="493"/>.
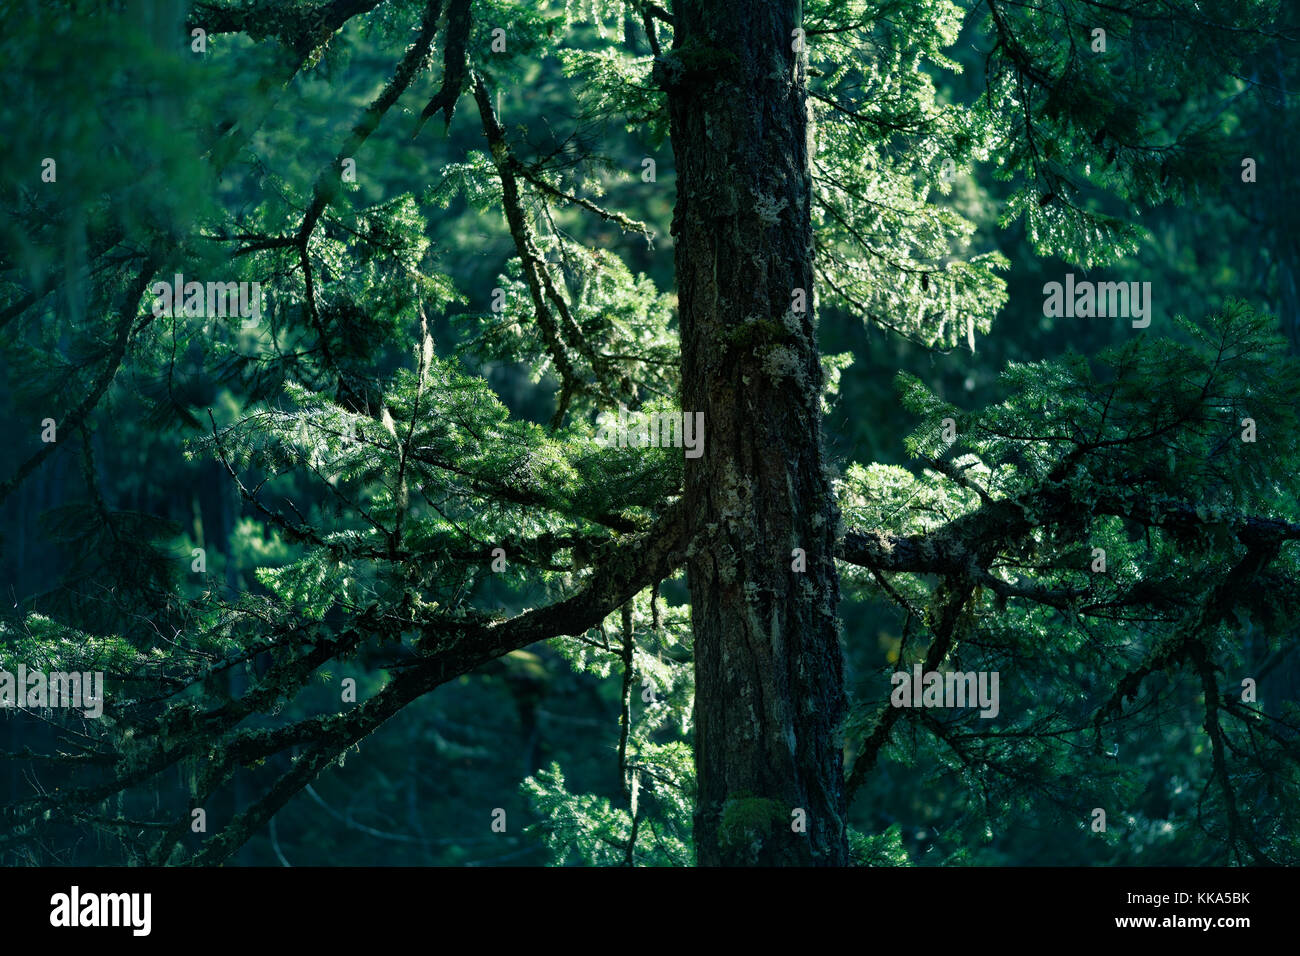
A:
<point x="769" y="672"/>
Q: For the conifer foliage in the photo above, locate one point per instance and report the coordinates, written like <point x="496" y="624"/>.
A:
<point x="245" y="249"/>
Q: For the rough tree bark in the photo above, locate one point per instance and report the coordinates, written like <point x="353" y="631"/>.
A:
<point x="769" y="671"/>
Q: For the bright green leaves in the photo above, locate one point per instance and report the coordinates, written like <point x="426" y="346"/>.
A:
<point x="622" y="322"/>
<point x="582" y="827"/>
<point x="1092" y="102"/>
<point x="658" y="764"/>
<point x="474" y="178"/>
<point x="884" y="143"/>
<point x="1159" y="414"/>
<point x="1132" y="477"/>
<point x="40" y="643"/>
<point x="616" y="86"/>
<point x="308" y="587"/>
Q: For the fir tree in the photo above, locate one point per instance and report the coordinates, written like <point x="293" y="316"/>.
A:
<point x="1113" y="537"/>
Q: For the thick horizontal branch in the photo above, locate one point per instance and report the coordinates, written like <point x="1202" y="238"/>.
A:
<point x="962" y="546"/>
<point x="962" y="551"/>
<point x="967" y="544"/>
<point x="302" y="32"/>
<point x="622" y="572"/>
<point x="449" y="648"/>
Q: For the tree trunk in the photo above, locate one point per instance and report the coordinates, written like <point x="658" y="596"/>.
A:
<point x="769" y="672"/>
